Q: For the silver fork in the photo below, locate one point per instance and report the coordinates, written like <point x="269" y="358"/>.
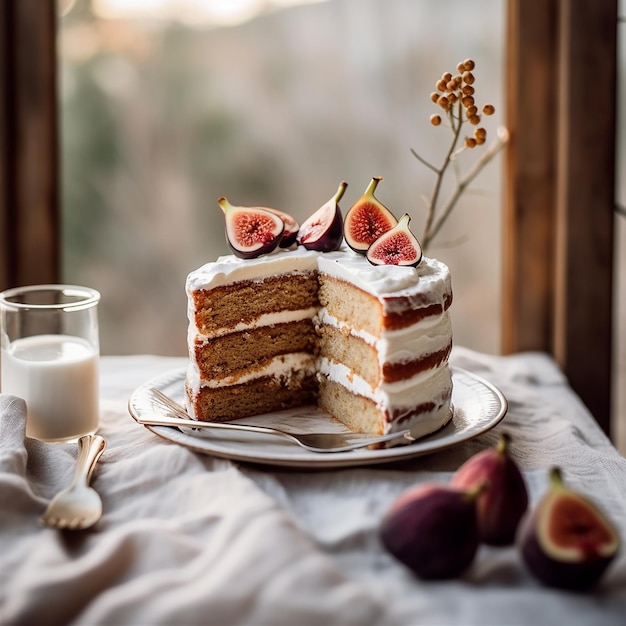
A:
<point x="316" y="442"/>
<point x="78" y="506"/>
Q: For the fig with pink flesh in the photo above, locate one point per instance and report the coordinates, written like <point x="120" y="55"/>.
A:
<point x="433" y="530"/>
<point x="251" y="231"/>
<point x="504" y="500"/>
<point x="367" y="219"/>
<point x="291" y="227"/>
<point x="567" y="542"/>
<point x="398" y="246"/>
<point x="323" y="231"/>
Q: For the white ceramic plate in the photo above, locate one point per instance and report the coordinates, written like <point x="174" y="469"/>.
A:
<point x="477" y="407"/>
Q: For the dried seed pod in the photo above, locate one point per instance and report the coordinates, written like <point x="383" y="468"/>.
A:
<point x="435" y="120"/>
<point x="489" y="109"/>
<point x="468" y="78"/>
<point x="469" y="65"/>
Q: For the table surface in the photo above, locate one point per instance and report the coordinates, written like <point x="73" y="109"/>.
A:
<point x="187" y="538"/>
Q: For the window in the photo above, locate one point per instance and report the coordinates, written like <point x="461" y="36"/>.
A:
<point x="161" y="116"/>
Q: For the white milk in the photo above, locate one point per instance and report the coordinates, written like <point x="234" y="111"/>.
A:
<point x="57" y="376"/>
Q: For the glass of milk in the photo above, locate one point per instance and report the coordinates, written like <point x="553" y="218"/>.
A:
<point x="49" y="357"/>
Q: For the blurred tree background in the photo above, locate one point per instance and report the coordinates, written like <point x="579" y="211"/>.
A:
<point x="169" y="104"/>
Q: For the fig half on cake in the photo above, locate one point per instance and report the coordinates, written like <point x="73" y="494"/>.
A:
<point x="323" y="231"/>
<point x="251" y="231"/>
<point x="367" y="219"/>
<point x="398" y="246"/>
<point x="291" y="227"/>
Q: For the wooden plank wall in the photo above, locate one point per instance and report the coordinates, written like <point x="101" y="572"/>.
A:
<point x="29" y="160"/>
<point x="560" y="182"/>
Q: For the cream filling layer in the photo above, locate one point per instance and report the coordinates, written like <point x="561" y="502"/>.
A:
<point x="383" y="281"/>
<point x="268" y="319"/>
<point x="283" y="366"/>
<point x="410" y="392"/>
<point x="428" y="336"/>
<point x="421" y="389"/>
<point x="405" y="393"/>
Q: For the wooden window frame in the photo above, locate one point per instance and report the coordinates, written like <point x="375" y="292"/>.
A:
<point x="29" y="159"/>
<point x="559" y="187"/>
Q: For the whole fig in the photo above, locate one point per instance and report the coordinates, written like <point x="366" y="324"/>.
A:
<point x="433" y="530"/>
<point x="566" y="541"/>
<point x="504" y="500"/>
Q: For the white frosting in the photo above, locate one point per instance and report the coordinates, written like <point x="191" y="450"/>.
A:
<point x="230" y="269"/>
<point x="429" y="277"/>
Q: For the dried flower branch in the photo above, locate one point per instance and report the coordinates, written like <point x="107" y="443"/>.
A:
<point x="456" y="96"/>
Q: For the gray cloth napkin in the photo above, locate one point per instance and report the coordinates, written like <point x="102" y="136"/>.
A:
<point x="184" y="540"/>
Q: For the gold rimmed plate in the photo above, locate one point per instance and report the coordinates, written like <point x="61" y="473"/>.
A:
<point x="477" y="407"/>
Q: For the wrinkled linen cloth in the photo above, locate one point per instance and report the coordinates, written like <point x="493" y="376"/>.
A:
<point x="190" y="539"/>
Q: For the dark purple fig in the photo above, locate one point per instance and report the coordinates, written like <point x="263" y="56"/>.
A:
<point x="291" y="227"/>
<point x="367" y="219"/>
<point x="504" y="500"/>
<point x="323" y="231"/>
<point x="433" y="530"/>
<point x="398" y="246"/>
<point x="566" y="541"/>
<point x="251" y="231"/>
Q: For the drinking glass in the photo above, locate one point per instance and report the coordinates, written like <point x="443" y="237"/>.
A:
<point x="49" y="357"/>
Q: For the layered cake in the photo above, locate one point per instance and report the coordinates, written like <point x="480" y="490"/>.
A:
<point x="368" y="343"/>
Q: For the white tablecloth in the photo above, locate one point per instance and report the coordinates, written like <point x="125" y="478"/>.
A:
<point x="190" y="539"/>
